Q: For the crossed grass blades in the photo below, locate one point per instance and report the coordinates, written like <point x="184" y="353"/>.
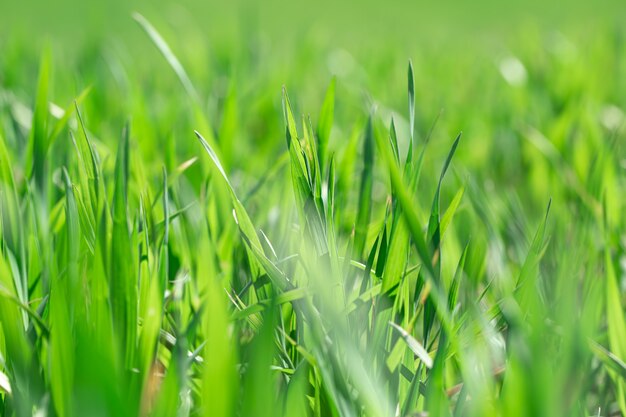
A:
<point x="131" y="290"/>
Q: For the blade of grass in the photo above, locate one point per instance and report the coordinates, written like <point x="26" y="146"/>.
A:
<point x="415" y="346"/>
<point x="325" y="123"/>
<point x="365" y="192"/>
<point x="38" y="141"/>
<point x="169" y="56"/>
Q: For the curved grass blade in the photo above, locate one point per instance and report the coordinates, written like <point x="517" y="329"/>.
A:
<point x="67" y="114"/>
<point x="169" y="56"/>
<point x="609" y="359"/>
<point x="415" y="346"/>
<point x="434" y="231"/>
<point x="241" y="215"/>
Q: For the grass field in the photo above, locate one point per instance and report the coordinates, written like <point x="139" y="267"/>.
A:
<point x="315" y="210"/>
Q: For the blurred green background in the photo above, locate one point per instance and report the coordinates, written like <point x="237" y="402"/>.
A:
<point x="349" y="20"/>
<point x="570" y="53"/>
<point x="346" y="23"/>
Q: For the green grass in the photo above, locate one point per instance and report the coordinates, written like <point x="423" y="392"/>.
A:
<point x="301" y="228"/>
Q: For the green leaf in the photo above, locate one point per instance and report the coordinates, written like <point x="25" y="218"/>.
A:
<point x="5" y="385"/>
<point x="61" y="356"/>
<point x="220" y="378"/>
<point x="616" y="323"/>
<point x="525" y="288"/>
<point x="39" y="140"/>
<point x="67" y="114"/>
<point x="163" y="265"/>
<point x="122" y="282"/>
<point x="609" y="359"/>
<point x="73" y="239"/>
<point x="19" y="362"/>
<point x="451" y="210"/>
<point x="169" y="56"/>
<point x="411" y="218"/>
<point x="393" y="140"/>
<point x="434" y="236"/>
<point x="261" y="305"/>
<point x="325" y="123"/>
<point x="296" y="402"/>
<point x="365" y="191"/>
<point x="434" y="227"/>
<point x="411" y="90"/>
<point x="10" y="220"/>
<point x="453" y="292"/>
<point x="436" y="400"/>
<point x="241" y="216"/>
<point x="259" y="383"/>
<point x="306" y="179"/>
<point x="415" y="346"/>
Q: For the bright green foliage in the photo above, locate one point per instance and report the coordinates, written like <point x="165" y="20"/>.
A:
<point x="364" y="261"/>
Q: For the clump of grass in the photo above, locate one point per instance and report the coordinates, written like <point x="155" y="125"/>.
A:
<point x="373" y="273"/>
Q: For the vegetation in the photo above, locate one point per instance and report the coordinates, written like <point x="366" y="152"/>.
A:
<point x="182" y="235"/>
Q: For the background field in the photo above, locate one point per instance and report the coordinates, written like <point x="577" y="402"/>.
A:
<point x="263" y="209"/>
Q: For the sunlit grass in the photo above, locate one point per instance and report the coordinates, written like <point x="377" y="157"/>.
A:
<point x="171" y="246"/>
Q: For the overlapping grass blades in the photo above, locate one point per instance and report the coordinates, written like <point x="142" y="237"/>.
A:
<point x="364" y="268"/>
